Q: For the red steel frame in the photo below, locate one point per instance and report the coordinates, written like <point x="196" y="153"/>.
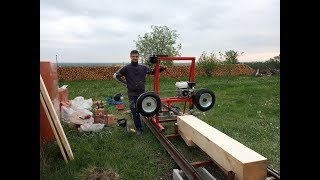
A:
<point x="170" y="100"/>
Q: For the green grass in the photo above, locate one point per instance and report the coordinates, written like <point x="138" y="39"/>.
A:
<point x="247" y="109"/>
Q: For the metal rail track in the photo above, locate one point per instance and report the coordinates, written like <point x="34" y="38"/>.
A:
<point x="186" y="167"/>
<point x="273" y="174"/>
<point x="189" y="168"/>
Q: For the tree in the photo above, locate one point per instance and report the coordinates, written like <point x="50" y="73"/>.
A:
<point x="160" y="41"/>
<point x="207" y="63"/>
<point x="230" y="57"/>
<point x="274" y="62"/>
<point x="275" y="59"/>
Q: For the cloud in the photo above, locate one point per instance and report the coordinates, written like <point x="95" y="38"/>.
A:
<point x="104" y="30"/>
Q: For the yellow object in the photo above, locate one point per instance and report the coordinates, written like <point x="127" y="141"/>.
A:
<point x="132" y="130"/>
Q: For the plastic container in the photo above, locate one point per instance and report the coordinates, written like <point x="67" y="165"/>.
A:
<point x="110" y="100"/>
<point x="182" y="84"/>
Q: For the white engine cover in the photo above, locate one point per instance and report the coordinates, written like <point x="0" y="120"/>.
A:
<point x="182" y="84"/>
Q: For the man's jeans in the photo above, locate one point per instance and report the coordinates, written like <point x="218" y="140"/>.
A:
<point x="134" y="112"/>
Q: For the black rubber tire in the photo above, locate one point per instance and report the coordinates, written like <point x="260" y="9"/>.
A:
<point x="140" y="104"/>
<point x="197" y="96"/>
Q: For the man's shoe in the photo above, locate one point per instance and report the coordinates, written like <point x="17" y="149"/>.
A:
<point x="139" y="132"/>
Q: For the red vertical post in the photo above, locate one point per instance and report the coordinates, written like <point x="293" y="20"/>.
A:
<point x="192" y="71"/>
<point x="156" y="88"/>
<point x="156" y="77"/>
<point x="192" y="76"/>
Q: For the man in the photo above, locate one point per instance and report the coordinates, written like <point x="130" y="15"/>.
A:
<point x="135" y="78"/>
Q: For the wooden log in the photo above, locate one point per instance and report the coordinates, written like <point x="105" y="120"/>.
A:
<point x="230" y="154"/>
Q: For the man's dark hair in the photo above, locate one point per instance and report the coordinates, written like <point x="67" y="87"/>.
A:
<point x="134" y="52"/>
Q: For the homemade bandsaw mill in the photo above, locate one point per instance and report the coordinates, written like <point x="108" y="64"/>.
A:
<point x="149" y="104"/>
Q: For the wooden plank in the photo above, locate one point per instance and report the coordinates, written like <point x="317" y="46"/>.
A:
<point x="55" y="119"/>
<point x="187" y="140"/>
<point x="172" y="136"/>
<point x="202" y="163"/>
<point x="53" y="128"/>
<point x="230" y="154"/>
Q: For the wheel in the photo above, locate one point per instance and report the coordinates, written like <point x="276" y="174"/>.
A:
<point x="148" y="104"/>
<point x="204" y="99"/>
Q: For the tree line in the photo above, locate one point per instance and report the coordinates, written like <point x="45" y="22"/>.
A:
<point x="163" y="41"/>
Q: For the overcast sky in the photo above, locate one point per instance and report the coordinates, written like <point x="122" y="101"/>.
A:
<point x="104" y="30"/>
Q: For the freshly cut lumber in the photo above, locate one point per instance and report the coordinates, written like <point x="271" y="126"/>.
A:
<point x="53" y="128"/>
<point x="54" y="117"/>
<point x="230" y="154"/>
<point x="186" y="139"/>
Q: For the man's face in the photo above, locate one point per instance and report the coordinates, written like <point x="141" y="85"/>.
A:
<point x="134" y="57"/>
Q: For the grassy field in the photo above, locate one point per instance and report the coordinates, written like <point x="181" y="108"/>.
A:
<point x="247" y="109"/>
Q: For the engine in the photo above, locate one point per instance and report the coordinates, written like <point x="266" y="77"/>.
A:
<point x="184" y="89"/>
